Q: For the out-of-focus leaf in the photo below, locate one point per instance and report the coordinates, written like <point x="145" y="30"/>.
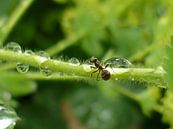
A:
<point x="168" y="65"/>
<point x="168" y="109"/>
<point x="94" y="109"/>
<point x="17" y="84"/>
<point x="87" y="18"/>
<point x="6" y="8"/>
<point x="148" y="99"/>
<point x="43" y="109"/>
<point x="5" y="96"/>
<point x="60" y="1"/>
<point x="8" y="117"/>
<point x="156" y="58"/>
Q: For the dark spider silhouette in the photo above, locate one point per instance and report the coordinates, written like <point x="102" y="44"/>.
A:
<point x="105" y="74"/>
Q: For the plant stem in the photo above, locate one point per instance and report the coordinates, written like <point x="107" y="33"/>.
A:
<point x="12" y="20"/>
<point x="148" y="75"/>
<point x="61" y="45"/>
<point x="54" y="76"/>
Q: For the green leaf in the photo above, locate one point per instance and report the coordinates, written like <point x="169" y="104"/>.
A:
<point x="17" y="84"/>
<point x="168" y="109"/>
<point x="148" y="99"/>
<point x="168" y="66"/>
<point x="94" y="109"/>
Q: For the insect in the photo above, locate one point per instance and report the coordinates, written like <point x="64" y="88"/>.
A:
<point x="112" y="62"/>
<point x="105" y="74"/>
<point x="118" y="62"/>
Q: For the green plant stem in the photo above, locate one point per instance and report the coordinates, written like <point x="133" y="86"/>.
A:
<point x="61" y="45"/>
<point x="12" y="20"/>
<point x="54" y="76"/>
<point x="149" y="75"/>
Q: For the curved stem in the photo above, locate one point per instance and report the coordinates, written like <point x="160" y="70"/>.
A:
<point x="148" y="75"/>
<point x="61" y="45"/>
<point x="12" y="20"/>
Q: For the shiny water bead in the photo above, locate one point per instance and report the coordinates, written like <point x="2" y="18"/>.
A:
<point x="13" y="46"/>
<point x="44" y="69"/>
<point x="74" y="61"/>
<point x="118" y="62"/>
<point x="89" y="61"/>
<point x="8" y="117"/>
<point x="29" y="52"/>
<point x="43" y="54"/>
<point x="22" y="68"/>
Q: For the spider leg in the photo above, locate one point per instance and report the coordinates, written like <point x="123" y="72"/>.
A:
<point x="98" y="75"/>
<point x="93" y="67"/>
<point x="94" y="72"/>
<point x="109" y="66"/>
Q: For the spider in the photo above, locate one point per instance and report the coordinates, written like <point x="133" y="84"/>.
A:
<point x="105" y="74"/>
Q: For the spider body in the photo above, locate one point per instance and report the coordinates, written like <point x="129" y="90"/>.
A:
<point x="100" y="68"/>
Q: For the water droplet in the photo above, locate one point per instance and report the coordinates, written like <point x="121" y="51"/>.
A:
<point x="74" y="61"/>
<point x="86" y="67"/>
<point x="13" y="46"/>
<point x="43" y="54"/>
<point x="8" y="117"/>
<point x="44" y="69"/>
<point x="88" y="62"/>
<point x="116" y="79"/>
<point x="118" y="62"/>
<point x="63" y="58"/>
<point x="29" y="52"/>
<point x="22" y="68"/>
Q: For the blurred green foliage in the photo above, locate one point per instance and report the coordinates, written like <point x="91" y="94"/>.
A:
<point x="133" y="29"/>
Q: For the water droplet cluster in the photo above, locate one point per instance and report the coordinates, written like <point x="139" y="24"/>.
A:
<point x="42" y="56"/>
<point x="23" y="68"/>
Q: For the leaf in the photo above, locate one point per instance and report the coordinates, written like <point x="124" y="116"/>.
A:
<point x="168" y="66"/>
<point x="148" y="99"/>
<point x="168" y="109"/>
<point x="94" y="109"/>
<point x="17" y="84"/>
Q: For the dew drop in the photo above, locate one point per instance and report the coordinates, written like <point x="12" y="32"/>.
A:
<point x="132" y="79"/>
<point x="8" y="117"/>
<point x="44" y="69"/>
<point x="63" y="58"/>
<point x="22" y="68"/>
<point x="87" y="62"/>
<point x="29" y="52"/>
<point x="13" y="46"/>
<point x="74" y="61"/>
<point x="43" y="54"/>
<point x="86" y="67"/>
<point x="116" y="79"/>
